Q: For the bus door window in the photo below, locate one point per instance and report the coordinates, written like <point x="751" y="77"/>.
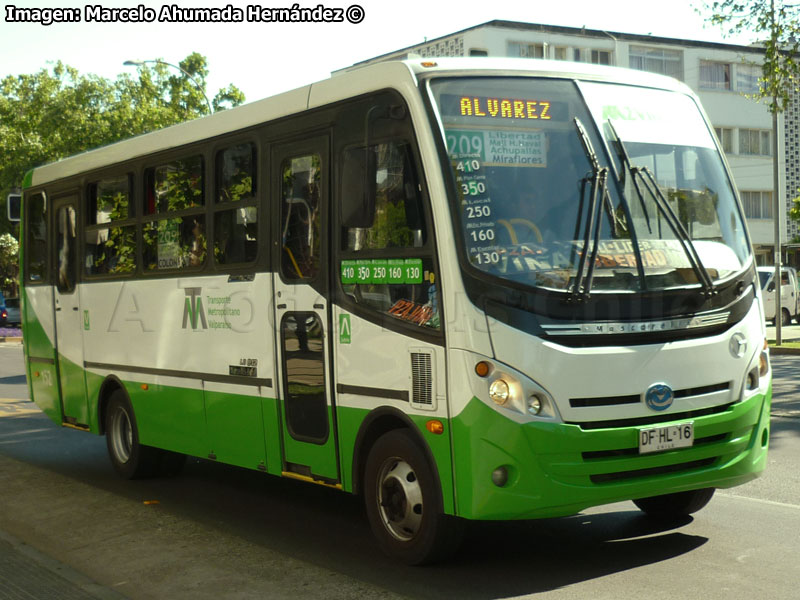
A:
<point x="300" y="218"/>
<point x="304" y="359"/>
<point x="65" y="244"/>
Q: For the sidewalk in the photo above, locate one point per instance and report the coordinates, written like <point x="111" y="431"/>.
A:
<point x="789" y="333"/>
<point x="26" y="573"/>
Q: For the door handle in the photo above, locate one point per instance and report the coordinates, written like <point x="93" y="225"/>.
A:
<point x="319" y="306"/>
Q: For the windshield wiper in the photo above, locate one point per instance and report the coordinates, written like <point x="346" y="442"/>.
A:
<point x="581" y="287"/>
<point x="643" y="177"/>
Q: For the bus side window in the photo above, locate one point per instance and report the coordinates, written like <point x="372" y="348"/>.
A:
<point x="384" y="234"/>
<point x="110" y="246"/>
<point x="236" y="212"/>
<point x="171" y="241"/>
<point x="36" y="238"/>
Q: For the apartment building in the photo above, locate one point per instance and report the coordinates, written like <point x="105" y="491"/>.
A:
<point x="722" y="75"/>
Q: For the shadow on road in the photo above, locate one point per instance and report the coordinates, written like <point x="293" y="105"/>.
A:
<point x="329" y="529"/>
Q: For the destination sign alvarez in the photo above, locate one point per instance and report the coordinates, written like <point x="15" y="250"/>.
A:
<point x="502" y="107"/>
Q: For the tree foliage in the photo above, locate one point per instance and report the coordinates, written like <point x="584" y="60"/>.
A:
<point x="776" y="26"/>
<point x="58" y="112"/>
<point x="9" y="264"/>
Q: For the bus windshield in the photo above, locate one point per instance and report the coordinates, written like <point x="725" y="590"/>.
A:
<point x="541" y="202"/>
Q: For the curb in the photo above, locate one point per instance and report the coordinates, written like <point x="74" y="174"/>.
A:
<point x="29" y="573"/>
<point x="11" y="339"/>
<point x="781" y="350"/>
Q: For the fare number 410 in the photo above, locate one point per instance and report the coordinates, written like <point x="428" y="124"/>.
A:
<point x="469" y="165"/>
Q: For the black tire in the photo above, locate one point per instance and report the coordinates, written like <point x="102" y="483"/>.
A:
<point x="787" y="318"/>
<point x="130" y="459"/>
<point x="670" y="506"/>
<point x="404" y="502"/>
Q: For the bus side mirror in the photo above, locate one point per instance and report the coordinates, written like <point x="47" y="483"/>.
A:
<point x="359" y="171"/>
<point x="14" y="204"/>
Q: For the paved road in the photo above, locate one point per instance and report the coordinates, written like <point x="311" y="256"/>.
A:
<point x="219" y="532"/>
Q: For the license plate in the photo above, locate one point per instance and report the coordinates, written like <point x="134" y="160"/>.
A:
<point x="656" y="439"/>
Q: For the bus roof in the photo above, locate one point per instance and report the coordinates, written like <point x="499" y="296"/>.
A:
<point x="402" y="75"/>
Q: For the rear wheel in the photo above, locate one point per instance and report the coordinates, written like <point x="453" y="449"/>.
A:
<point x="131" y="459"/>
<point x="675" y="505"/>
<point x="404" y="503"/>
<point x="787" y="318"/>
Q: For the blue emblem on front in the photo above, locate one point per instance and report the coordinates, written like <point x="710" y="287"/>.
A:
<point x="659" y="396"/>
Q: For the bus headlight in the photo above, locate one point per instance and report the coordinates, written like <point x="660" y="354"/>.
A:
<point x="499" y="391"/>
<point x="512" y="392"/>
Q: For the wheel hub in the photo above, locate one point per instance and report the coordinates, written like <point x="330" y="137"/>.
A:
<point x="400" y="499"/>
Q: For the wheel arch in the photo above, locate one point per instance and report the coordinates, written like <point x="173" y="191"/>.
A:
<point x="377" y="423"/>
<point x="110" y="385"/>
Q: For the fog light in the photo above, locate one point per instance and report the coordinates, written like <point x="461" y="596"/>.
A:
<point x="499" y="391"/>
<point x="500" y="476"/>
<point x="534" y="405"/>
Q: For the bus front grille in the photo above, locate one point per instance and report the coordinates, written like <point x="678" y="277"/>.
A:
<point x="663" y="418"/>
<point x="601" y="478"/>
<point x="636" y="398"/>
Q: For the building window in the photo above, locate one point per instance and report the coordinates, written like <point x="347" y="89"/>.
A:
<point x="478" y="52"/>
<point x="600" y="57"/>
<point x="715" y="75"/>
<point x="757" y="205"/>
<point x="657" y="60"/>
<point x="560" y="53"/>
<point x="747" y="77"/>
<point x="725" y="137"/>
<point x="525" y="50"/>
<point x="596" y="57"/>
<point x="755" y="142"/>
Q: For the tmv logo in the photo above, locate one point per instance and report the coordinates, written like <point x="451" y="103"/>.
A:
<point x="193" y="308"/>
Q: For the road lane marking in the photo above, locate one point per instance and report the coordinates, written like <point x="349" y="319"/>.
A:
<point x="11" y="407"/>
<point x="759" y="500"/>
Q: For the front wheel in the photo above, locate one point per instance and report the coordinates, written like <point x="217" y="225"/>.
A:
<point x="671" y="506"/>
<point x="404" y="502"/>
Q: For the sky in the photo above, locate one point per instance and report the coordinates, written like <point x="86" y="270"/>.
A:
<point x="263" y="58"/>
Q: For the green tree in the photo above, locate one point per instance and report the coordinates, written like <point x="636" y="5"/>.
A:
<point x="776" y="25"/>
<point x="58" y="112"/>
<point x="9" y="264"/>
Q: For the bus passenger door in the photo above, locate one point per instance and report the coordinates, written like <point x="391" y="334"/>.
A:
<point x="68" y="317"/>
<point x="301" y="183"/>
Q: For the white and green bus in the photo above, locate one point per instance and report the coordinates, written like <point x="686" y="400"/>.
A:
<point x="465" y="289"/>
